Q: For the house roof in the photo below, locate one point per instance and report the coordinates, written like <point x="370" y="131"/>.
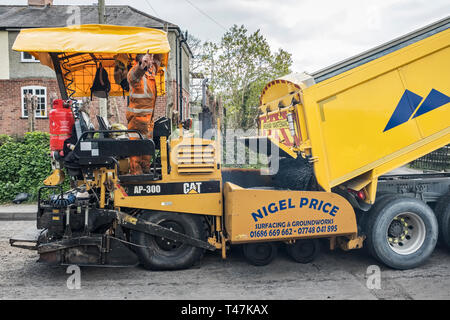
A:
<point x="22" y="17"/>
<point x="12" y="17"/>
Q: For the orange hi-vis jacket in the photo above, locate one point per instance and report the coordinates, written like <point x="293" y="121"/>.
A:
<point x="142" y="98"/>
<point x="140" y="112"/>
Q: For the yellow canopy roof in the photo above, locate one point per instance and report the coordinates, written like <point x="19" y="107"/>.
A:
<point x="81" y="48"/>
<point x="93" y="38"/>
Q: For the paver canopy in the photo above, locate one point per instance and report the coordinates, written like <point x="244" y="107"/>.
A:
<point x="80" y="49"/>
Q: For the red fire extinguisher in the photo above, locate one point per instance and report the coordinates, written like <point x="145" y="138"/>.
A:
<point x="61" y="124"/>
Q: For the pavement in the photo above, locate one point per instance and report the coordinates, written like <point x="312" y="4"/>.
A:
<point x="18" y="212"/>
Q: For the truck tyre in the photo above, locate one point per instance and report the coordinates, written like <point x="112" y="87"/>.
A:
<point x="364" y="216"/>
<point x="380" y="202"/>
<point x="261" y="253"/>
<point x="163" y="254"/>
<point x="442" y="210"/>
<point x="304" y="251"/>
<point x="401" y="232"/>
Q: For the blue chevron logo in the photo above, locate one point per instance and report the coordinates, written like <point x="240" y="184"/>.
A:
<point x="409" y="103"/>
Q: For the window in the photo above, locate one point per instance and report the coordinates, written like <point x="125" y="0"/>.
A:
<point x="26" y="57"/>
<point x="41" y="108"/>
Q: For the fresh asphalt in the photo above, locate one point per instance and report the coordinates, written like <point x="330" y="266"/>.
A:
<point x="333" y="275"/>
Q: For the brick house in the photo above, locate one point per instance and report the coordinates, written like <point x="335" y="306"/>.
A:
<point x="21" y="73"/>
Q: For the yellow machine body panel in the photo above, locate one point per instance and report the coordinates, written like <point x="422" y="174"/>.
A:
<point x="206" y="204"/>
<point x="264" y="215"/>
<point x="365" y="122"/>
<point x="191" y="184"/>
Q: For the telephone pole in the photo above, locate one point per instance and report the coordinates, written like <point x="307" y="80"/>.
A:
<point x="102" y="103"/>
<point x="101" y="11"/>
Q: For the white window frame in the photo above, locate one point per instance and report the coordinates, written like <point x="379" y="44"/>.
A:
<point x="34" y="88"/>
<point x="26" y="60"/>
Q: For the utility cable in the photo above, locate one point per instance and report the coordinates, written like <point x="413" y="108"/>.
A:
<point x="206" y="15"/>
<point x="152" y="8"/>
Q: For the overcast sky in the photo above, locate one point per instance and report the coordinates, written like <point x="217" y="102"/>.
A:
<point x="318" y="33"/>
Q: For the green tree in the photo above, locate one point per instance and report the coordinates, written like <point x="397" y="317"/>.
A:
<point x="239" y="67"/>
<point x="196" y="69"/>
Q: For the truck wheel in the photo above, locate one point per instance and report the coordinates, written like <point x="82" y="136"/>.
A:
<point x="304" y="251"/>
<point x="401" y="232"/>
<point x="364" y="216"/>
<point x="260" y="254"/>
<point x="443" y="216"/>
<point x="164" y="254"/>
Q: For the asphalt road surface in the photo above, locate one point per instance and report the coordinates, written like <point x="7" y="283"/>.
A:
<point x="334" y="275"/>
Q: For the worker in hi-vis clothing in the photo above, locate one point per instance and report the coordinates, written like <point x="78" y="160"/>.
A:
<point x="142" y="105"/>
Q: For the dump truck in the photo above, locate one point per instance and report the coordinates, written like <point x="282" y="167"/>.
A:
<point x="334" y="135"/>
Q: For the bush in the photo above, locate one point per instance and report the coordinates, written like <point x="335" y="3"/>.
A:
<point x="4" y="138"/>
<point x="24" y="164"/>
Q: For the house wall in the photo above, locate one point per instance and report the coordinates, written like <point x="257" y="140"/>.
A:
<point x="11" y="120"/>
<point x="22" y="70"/>
<point x="173" y="96"/>
<point x="4" y="55"/>
<point x="17" y="74"/>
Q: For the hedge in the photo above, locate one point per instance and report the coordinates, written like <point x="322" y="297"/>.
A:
<point x="24" y="164"/>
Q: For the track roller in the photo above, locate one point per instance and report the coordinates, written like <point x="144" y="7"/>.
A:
<point x="260" y="254"/>
<point x="304" y="251"/>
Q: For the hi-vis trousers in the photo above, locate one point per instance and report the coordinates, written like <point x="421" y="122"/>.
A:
<point x="143" y="123"/>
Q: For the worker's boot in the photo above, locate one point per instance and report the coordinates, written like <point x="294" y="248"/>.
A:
<point x="135" y="166"/>
<point x="146" y="164"/>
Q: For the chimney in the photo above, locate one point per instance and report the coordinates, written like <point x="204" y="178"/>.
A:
<point x="41" y="3"/>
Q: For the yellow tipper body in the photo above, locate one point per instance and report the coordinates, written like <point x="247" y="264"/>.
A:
<point x="362" y="123"/>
